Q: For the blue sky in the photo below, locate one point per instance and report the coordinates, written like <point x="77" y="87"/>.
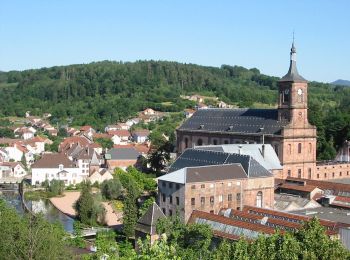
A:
<point x="256" y="33"/>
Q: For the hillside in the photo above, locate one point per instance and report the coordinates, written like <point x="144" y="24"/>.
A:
<point x="105" y="92"/>
<point x="341" y="82"/>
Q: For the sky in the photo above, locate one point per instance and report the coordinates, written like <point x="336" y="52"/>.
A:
<point x="253" y="34"/>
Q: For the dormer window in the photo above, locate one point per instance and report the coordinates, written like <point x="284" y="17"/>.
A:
<point x="201" y="126"/>
<point x="60" y="167"/>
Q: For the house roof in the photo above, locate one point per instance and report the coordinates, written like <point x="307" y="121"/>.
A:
<point x="205" y="174"/>
<point x="119" y="132"/>
<point x="129" y="153"/>
<point x="269" y="159"/>
<point x="230" y="226"/>
<point x="292" y="74"/>
<point x="85" y="128"/>
<point x="147" y="223"/>
<point x="102" y="135"/>
<point x="234" y="121"/>
<point x="69" y="141"/>
<point x="195" y="157"/>
<point x="302" y="188"/>
<point x="53" y="160"/>
<point x="12" y="164"/>
<point x="141" y="132"/>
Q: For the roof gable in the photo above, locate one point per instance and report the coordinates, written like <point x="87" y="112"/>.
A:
<point x="147" y="223"/>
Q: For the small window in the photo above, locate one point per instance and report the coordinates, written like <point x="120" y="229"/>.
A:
<point x="177" y="201"/>
<point x="226" y="142"/>
<point x="333" y="174"/>
<point x="229" y="197"/>
<point x="318" y="175"/>
<point x="202" y="186"/>
<point x="325" y="175"/>
<point x="193" y="187"/>
<point x="163" y="184"/>
<point x="193" y="201"/>
<point x="177" y="186"/>
<point x="299" y="147"/>
<point x="259" y="199"/>
<point x="200" y="142"/>
<point x="229" y="184"/>
<point x="164" y="197"/>
<point x="212" y="211"/>
<point x="171" y="199"/>
<point x="220" y="198"/>
<point x="211" y="185"/>
<point x="310" y="175"/>
<point x="289" y="173"/>
<point x="186" y="142"/>
<point x="170" y="212"/>
<point x="170" y="185"/>
<point x="238" y="196"/>
<point x="215" y="142"/>
<point x="211" y="200"/>
<point x="340" y="174"/>
<point x="202" y="201"/>
<point x="299" y="173"/>
<point x="164" y="211"/>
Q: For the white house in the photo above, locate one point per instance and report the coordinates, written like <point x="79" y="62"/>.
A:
<point x="55" y="166"/>
<point x="16" y="151"/>
<point x="12" y="169"/>
<point x="132" y="122"/>
<point x="140" y="136"/>
<point x="100" y="176"/>
<point x="120" y="136"/>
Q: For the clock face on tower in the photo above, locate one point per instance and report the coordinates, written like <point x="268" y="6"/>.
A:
<point x="300" y="91"/>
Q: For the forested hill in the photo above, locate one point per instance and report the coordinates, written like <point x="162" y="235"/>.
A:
<point x="104" y="92"/>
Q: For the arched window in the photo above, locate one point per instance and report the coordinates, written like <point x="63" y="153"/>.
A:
<point x="186" y="142"/>
<point x="310" y="147"/>
<point x="200" y="142"/>
<point x="299" y="147"/>
<point x="259" y="199"/>
<point x="289" y="149"/>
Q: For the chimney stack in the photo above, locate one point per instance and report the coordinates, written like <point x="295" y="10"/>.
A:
<point x="240" y="149"/>
<point x="263" y="150"/>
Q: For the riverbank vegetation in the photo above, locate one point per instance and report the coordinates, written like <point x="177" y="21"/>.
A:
<point x="30" y="237"/>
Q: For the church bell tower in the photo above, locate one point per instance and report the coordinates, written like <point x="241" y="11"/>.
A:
<point x="299" y="136"/>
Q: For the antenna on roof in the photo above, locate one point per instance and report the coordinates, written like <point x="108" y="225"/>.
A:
<point x="293" y="36"/>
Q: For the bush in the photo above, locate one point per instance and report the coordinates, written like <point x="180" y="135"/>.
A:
<point x="111" y="189"/>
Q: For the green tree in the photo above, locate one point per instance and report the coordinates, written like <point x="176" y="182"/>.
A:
<point x="24" y="161"/>
<point x="106" y="245"/>
<point x="30" y="237"/>
<point x="130" y="208"/>
<point x="106" y="143"/>
<point x="56" y="187"/>
<point x="145" y="205"/>
<point x="111" y="189"/>
<point x="89" y="209"/>
<point x="160" y="250"/>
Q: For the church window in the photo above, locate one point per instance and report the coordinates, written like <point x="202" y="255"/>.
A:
<point x="200" y="142"/>
<point x="259" y="199"/>
<point x="299" y="173"/>
<point x="289" y="148"/>
<point x="299" y="147"/>
<point x="310" y="147"/>
<point x="186" y="142"/>
<point x="310" y="173"/>
<point x="289" y="173"/>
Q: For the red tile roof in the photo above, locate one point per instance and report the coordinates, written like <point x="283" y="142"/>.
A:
<point x="85" y="128"/>
<point x="305" y="188"/>
<point x="119" y="132"/>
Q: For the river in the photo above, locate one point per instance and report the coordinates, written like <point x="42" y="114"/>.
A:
<point x="43" y="206"/>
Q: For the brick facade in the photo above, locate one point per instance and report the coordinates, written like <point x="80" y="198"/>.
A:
<point x="215" y="195"/>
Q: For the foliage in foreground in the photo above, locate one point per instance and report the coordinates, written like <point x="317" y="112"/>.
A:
<point x="29" y="237"/>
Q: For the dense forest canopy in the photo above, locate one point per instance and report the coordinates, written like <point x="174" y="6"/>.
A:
<point x="105" y="92"/>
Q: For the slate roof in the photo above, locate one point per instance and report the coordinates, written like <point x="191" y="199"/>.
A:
<point x="269" y="160"/>
<point x="233" y="121"/>
<point x="194" y="157"/>
<point x="206" y="173"/>
<point x="129" y="153"/>
<point x="292" y="74"/>
<point x="147" y="223"/>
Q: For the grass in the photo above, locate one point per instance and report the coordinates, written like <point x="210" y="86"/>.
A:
<point x="37" y="195"/>
<point x="8" y="85"/>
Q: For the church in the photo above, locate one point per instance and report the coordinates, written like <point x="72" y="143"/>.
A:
<point x="286" y="128"/>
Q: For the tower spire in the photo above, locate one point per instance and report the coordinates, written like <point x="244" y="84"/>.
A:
<point x="293" y="75"/>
